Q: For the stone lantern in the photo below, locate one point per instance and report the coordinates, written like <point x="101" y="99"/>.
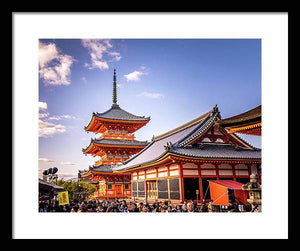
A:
<point x="254" y="189"/>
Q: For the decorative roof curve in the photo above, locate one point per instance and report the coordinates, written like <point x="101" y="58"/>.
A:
<point x="117" y="113"/>
<point x="243" y="118"/>
<point x="177" y="141"/>
<point x="203" y="126"/>
<point x="117" y="142"/>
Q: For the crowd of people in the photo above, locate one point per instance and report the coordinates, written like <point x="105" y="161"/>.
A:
<point x="124" y="206"/>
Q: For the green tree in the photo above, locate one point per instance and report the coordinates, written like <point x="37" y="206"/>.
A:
<point x="77" y="190"/>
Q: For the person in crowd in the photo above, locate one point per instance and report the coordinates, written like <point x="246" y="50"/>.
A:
<point x="100" y="206"/>
<point x="210" y="206"/>
<point x="169" y="209"/>
<point x="190" y="207"/>
<point x="178" y="208"/>
<point x="203" y="207"/>
<point x="144" y="209"/>
<point x="132" y="208"/>
<point x="155" y="204"/>
<point x="184" y="206"/>
<point x="195" y="204"/>
<point x="141" y="204"/>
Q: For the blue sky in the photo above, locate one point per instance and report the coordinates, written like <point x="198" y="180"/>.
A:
<point x="171" y="80"/>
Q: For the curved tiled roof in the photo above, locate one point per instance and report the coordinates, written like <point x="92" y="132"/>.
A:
<point x="120" y="142"/>
<point x="115" y="112"/>
<point x="243" y="118"/>
<point x="176" y="141"/>
<point x="202" y="127"/>
<point x="102" y="168"/>
<point x="157" y="147"/>
<point x="218" y="151"/>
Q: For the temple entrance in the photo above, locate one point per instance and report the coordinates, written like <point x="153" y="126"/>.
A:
<point x="118" y="189"/>
<point x="205" y="187"/>
<point x="151" y="189"/>
<point x="190" y="187"/>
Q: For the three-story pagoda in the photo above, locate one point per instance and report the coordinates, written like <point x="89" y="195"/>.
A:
<point x="115" y="145"/>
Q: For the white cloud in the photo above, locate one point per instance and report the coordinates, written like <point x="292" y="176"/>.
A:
<point x="42" y="106"/>
<point x="66" y="116"/>
<point x="43" y="115"/>
<point x="98" y="49"/>
<point x="47" y="129"/>
<point x="42" y="110"/>
<point x="67" y="163"/>
<point x="45" y="160"/>
<point x="150" y="95"/>
<point x="134" y="76"/>
<point x="47" y="52"/>
<point x="59" y="71"/>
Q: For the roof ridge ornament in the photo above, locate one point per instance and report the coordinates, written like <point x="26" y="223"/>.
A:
<point x="168" y="146"/>
<point x="216" y="108"/>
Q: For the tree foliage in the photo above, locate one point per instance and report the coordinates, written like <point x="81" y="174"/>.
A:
<point x="77" y="190"/>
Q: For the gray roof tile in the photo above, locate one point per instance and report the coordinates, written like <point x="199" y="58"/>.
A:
<point x="218" y="151"/>
<point x="102" y="168"/>
<point x="155" y="149"/>
<point x="115" y="112"/>
<point x="181" y="138"/>
<point x="120" y="142"/>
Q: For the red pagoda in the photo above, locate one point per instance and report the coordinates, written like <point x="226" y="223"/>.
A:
<point x="114" y="146"/>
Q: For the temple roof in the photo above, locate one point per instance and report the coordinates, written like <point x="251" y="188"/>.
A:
<point x="200" y="129"/>
<point x="253" y="115"/>
<point x="44" y="185"/>
<point x="176" y="141"/>
<point x="117" y="113"/>
<point x="157" y="147"/>
<point x="218" y="151"/>
<point x="116" y="142"/>
<point x="102" y="168"/>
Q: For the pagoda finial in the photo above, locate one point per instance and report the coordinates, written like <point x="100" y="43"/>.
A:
<point x="115" y="88"/>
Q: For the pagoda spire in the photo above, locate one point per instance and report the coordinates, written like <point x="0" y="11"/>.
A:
<point x="114" y="89"/>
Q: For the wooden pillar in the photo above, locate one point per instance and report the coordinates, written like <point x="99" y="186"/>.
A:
<point x="106" y="187"/>
<point x="181" y="182"/>
<point x="168" y="174"/>
<point x="200" y="183"/>
<point x="146" y="189"/>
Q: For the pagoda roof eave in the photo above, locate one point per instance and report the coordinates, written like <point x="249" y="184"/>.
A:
<point x="108" y="143"/>
<point x="85" y="150"/>
<point x="95" y="119"/>
<point x="118" y="120"/>
<point x="117" y="113"/>
<point x="90" y="124"/>
<point x="119" y="143"/>
<point x="88" y="173"/>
